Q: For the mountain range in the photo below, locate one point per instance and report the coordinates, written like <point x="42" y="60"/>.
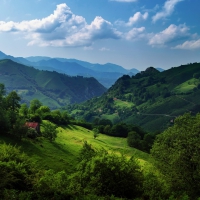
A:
<point x="106" y="74"/>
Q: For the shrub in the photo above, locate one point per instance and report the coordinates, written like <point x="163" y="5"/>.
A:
<point x="105" y="174"/>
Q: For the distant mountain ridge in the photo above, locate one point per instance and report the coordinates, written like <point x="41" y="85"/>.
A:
<point x="51" y="88"/>
<point x="106" y="74"/>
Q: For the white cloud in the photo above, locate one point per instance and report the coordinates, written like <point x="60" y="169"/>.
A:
<point x="168" y="35"/>
<point x="189" y="45"/>
<point x="134" y="33"/>
<point x="134" y="19"/>
<point x="167" y="10"/>
<point x="124" y="1"/>
<point x="62" y="28"/>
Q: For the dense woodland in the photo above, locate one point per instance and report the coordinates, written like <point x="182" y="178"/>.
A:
<point x="174" y="171"/>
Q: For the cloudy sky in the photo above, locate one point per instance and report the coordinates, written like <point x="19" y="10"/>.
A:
<point x="130" y="33"/>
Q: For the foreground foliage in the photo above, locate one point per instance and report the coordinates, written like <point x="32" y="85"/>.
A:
<point x="177" y="151"/>
<point x="106" y="174"/>
<point x="98" y="174"/>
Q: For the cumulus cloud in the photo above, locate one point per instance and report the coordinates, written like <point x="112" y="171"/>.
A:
<point x="189" y="45"/>
<point x="134" y="33"/>
<point x="168" y="35"/>
<point x="167" y="10"/>
<point x="138" y="16"/>
<point x="62" y="28"/>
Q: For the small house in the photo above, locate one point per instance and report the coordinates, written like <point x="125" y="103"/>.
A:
<point x="34" y="125"/>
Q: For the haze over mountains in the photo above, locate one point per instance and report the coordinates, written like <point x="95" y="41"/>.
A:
<point x="106" y="74"/>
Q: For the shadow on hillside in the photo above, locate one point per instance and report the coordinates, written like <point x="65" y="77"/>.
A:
<point x="28" y="146"/>
<point x="100" y="141"/>
<point x="58" y="146"/>
<point x="71" y="127"/>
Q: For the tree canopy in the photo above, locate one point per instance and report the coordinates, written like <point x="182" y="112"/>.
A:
<point x="177" y="151"/>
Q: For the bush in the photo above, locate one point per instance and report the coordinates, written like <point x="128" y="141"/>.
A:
<point x="16" y="169"/>
<point x="108" y="174"/>
<point x="31" y="133"/>
<point x="49" y="131"/>
<point x="52" y="185"/>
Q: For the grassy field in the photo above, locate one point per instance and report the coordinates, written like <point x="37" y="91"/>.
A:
<point x="120" y="103"/>
<point x="63" y="152"/>
<point x="187" y="86"/>
<point x="112" y="117"/>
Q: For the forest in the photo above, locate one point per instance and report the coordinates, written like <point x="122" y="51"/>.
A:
<point x="152" y="166"/>
<point x="150" y="99"/>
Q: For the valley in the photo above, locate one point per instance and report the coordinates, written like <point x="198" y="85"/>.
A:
<point x="99" y="100"/>
<point x="98" y="143"/>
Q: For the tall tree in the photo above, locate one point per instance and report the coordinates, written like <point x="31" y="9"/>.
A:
<point x="13" y="101"/>
<point x="49" y="131"/>
<point x="23" y="111"/>
<point x="34" y="105"/>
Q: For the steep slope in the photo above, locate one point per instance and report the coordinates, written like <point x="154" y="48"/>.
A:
<point x="51" y="88"/>
<point x="150" y="99"/>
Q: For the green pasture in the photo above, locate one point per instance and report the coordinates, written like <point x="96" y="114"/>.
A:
<point x="112" y="117"/>
<point x="122" y="104"/>
<point x="62" y="154"/>
<point x="187" y="86"/>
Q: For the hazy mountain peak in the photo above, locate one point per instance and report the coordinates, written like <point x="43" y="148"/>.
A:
<point x="2" y="55"/>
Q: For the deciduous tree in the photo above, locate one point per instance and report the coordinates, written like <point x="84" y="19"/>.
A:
<point x="177" y="151"/>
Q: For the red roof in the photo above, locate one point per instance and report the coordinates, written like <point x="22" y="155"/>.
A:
<point x="32" y="124"/>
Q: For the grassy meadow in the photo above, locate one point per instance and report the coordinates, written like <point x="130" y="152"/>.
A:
<point x="62" y="154"/>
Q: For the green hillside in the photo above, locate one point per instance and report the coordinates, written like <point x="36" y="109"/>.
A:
<point x="150" y="99"/>
<point x="51" y="88"/>
<point x="65" y="149"/>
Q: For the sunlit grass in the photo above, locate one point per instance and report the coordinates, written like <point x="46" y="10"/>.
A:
<point x="62" y="154"/>
<point x="186" y="86"/>
<point x="122" y="104"/>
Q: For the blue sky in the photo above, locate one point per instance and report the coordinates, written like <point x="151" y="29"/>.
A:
<point x="131" y="33"/>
